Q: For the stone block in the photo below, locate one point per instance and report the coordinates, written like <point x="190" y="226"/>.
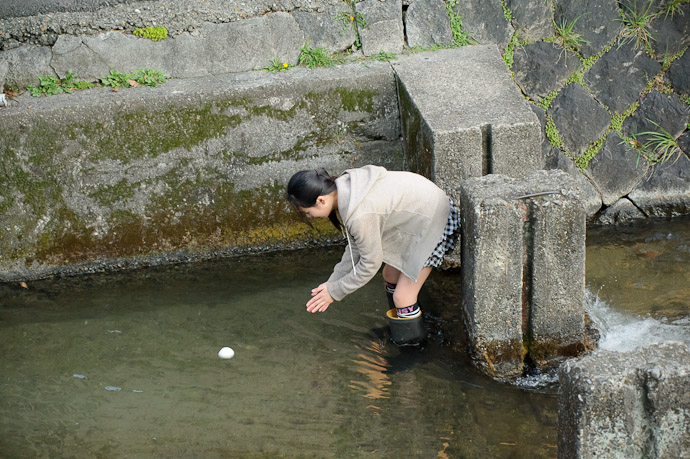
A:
<point x="463" y="117"/>
<point x="323" y="29"/>
<point x="670" y="32"/>
<point x="619" y="76"/>
<point x="626" y="405"/>
<point x="24" y="64"/>
<point x="427" y="24"/>
<point x="484" y="22"/>
<point x="384" y="31"/>
<point x="621" y="212"/>
<point x="598" y="22"/>
<point x="579" y="118"/>
<point x="522" y="269"/>
<point x="679" y="74"/>
<point x="617" y="169"/>
<point x="666" y="110"/>
<point x="540" y="68"/>
<point x="532" y="19"/>
<point x="666" y="193"/>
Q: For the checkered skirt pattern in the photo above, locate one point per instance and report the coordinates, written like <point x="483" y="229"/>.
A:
<point x="448" y="239"/>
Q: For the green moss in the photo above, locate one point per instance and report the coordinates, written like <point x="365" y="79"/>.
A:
<point x="546" y="101"/>
<point x="618" y="119"/>
<point x="152" y="33"/>
<point x="354" y="101"/>
<point x="583" y="161"/>
<point x="552" y="133"/>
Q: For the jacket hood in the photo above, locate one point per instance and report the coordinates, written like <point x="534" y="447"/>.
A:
<point x="353" y="186"/>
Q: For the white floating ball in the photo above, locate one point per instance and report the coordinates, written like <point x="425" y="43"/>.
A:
<point x="226" y="353"/>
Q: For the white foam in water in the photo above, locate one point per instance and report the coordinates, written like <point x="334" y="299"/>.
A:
<point x="625" y="332"/>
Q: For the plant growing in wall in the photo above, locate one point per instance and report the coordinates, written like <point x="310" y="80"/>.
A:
<point x="152" y="33"/>
<point x="352" y="19"/>
<point x="52" y="85"/>
<point x="315" y="57"/>
<point x="635" y="25"/>
<point x="659" y="147"/>
<point x="460" y="37"/>
<point x="277" y="66"/>
<point x="147" y="77"/>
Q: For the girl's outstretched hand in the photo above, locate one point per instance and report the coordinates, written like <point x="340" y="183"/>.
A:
<point x="321" y="299"/>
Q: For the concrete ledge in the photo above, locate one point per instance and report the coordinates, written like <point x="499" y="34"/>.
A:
<point x="192" y="165"/>
<point x="450" y="133"/>
<point x="632" y="405"/>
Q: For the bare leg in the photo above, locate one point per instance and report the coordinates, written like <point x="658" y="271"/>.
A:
<point x="390" y="274"/>
<point x="407" y="290"/>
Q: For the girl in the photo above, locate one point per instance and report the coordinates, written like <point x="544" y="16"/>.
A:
<point x="399" y="219"/>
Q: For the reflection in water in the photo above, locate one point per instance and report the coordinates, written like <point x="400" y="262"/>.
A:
<point x="373" y="366"/>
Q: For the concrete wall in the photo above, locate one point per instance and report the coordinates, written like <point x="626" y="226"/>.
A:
<point x="188" y="169"/>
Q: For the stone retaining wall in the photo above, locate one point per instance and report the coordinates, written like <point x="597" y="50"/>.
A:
<point x="591" y="102"/>
<point x="594" y="97"/>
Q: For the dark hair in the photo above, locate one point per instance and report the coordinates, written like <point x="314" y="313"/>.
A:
<point x="305" y="187"/>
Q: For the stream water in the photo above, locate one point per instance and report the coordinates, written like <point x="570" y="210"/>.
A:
<point x="126" y="365"/>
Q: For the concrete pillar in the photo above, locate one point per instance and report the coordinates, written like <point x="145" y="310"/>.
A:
<point x="522" y="265"/>
<point x="626" y="405"/>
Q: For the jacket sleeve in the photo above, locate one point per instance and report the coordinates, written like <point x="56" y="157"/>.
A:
<point x="367" y="250"/>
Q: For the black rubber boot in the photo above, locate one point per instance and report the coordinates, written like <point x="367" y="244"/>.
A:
<point x="408" y="331"/>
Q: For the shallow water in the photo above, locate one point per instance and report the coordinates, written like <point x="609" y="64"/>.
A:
<point x="638" y="281"/>
<point x="126" y="364"/>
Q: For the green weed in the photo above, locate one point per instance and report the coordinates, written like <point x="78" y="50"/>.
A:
<point x="52" y="85"/>
<point x="277" y="66"/>
<point x="148" y="77"/>
<point x="460" y="37"/>
<point x="352" y="19"/>
<point x="674" y="6"/>
<point x="383" y="56"/>
<point x="566" y="35"/>
<point x="314" y="57"/>
<point x="509" y="52"/>
<point x="506" y="11"/>
<point x="659" y="146"/>
<point x="152" y="33"/>
<point x="635" y="25"/>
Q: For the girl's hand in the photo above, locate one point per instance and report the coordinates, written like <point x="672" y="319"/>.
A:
<point x="321" y="299"/>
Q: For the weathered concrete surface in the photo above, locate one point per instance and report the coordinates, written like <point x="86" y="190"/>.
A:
<point x="384" y="31"/>
<point x="522" y="270"/>
<point x="450" y="133"/>
<point x="626" y="405"/>
<point x="243" y="45"/>
<point x="427" y="24"/>
<point x="192" y="165"/>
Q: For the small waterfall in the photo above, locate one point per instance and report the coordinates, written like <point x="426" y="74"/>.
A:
<point x="624" y="332"/>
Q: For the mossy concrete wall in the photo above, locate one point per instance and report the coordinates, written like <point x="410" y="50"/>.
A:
<point x="189" y="169"/>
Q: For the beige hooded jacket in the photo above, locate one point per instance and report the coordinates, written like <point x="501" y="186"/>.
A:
<point x="390" y="217"/>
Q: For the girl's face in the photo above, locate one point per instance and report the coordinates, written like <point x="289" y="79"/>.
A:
<point x="321" y="209"/>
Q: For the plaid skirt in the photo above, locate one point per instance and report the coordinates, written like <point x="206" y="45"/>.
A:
<point x="448" y="239"/>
